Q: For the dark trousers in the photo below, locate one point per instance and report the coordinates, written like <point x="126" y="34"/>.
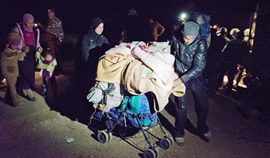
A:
<point x="229" y="68"/>
<point x="26" y="79"/>
<point x="198" y="89"/>
<point x="51" y="82"/>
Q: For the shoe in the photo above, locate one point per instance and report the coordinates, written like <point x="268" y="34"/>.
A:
<point x="44" y="93"/>
<point x="179" y="141"/>
<point x="207" y="136"/>
<point x="15" y="103"/>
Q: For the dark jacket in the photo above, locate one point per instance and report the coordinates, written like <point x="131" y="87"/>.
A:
<point x="190" y="60"/>
<point x="234" y="51"/>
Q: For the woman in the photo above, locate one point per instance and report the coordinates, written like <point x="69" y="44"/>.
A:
<point x="92" y="45"/>
<point x="29" y="40"/>
<point x="93" y="38"/>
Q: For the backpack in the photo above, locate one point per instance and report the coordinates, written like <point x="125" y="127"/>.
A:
<point x="134" y="106"/>
<point x="204" y="21"/>
<point x="139" y="105"/>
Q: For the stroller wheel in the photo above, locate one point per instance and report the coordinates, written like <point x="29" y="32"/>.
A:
<point x="110" y="136"/>
<point x="103" y="137"/>
<point x="150" y="153"/>
<point x="165" y="143"/>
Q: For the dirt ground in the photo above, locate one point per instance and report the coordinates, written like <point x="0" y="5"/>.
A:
<point x="49" y="128"/>
<point x="59" y="129"/>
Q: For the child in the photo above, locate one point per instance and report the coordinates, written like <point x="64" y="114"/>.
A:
<point x="47" y="64"/>
<point x="9" y="65"/>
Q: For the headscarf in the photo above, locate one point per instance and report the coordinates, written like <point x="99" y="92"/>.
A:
<point x="27" y="17"/>
<point x="94" y="25"/>
<point x="96" y="22"/>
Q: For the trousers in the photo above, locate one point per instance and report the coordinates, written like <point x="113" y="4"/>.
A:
<point x="198" y="90"/>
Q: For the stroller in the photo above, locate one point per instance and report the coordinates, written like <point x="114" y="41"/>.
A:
<point x="134" y="113"/>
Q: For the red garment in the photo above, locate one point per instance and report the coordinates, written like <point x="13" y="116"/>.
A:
<point x="28" y="38"/>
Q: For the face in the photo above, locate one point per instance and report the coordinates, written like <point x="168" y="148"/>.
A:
<point x="51" y="15"/>
<point x="188" y="41"/>
<point x="29" y="23"/>
<point x="48" y="57"/>
<point x="99" y="29"/>
<point x="13" y="47"/>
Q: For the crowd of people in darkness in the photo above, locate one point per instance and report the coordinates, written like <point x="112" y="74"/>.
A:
<point x="200" y="64"/>
<point x="28" y="55"/>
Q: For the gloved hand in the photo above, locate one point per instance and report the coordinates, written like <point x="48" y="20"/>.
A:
<point x="39" y="50"/>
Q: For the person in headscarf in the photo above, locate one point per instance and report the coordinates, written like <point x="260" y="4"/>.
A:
<point x="93" y="43"/>
<point x="93" y="38"/>
<point x="29" y="42"/>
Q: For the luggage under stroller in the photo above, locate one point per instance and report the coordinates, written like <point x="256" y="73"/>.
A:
<point x="133" y="113"/>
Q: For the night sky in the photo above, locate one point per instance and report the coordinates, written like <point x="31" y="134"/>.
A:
<point x="77" y="14"/>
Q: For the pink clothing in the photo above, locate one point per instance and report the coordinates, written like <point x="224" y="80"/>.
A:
<point x="27" y="17"/>
<point x="21" y="28"/>
<point x="156" y="63"/>
<point x="18" y="29"/>
<point x="29" y="38"/>
<point x="137" y="78"/>
<point x="157" y="58"/>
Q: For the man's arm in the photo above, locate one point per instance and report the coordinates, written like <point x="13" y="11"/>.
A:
<point x="199" y="62"/>
<point x="60" y="31"/>
<point x="160" y="28"/>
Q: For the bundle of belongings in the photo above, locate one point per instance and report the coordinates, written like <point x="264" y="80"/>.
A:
<point x="137" y="68"/>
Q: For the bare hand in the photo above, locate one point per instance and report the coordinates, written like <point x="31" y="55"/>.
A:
<point x="40" y="49"/>
<point x="39" y="24"/>
<point x="176" y="83"/>
<point x="41" y="72"/>
<point x="26" y="49"/>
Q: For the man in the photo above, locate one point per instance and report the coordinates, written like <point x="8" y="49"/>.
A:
<point x="157" y="29"/>
<point x="232" y="56"/>
<point x="190" y="51"/>
<point x="54" y="36"/>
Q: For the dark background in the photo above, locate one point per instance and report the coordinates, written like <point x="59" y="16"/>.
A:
<point x="77" y="14"/>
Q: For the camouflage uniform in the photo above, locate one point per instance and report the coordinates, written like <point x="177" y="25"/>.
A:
<point x="54" y="36"/>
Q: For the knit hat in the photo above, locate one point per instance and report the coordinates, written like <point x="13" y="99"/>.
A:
<point x="14" y="38"/>
<point x="96" y="22"/>
<point x="190" y="30"/>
